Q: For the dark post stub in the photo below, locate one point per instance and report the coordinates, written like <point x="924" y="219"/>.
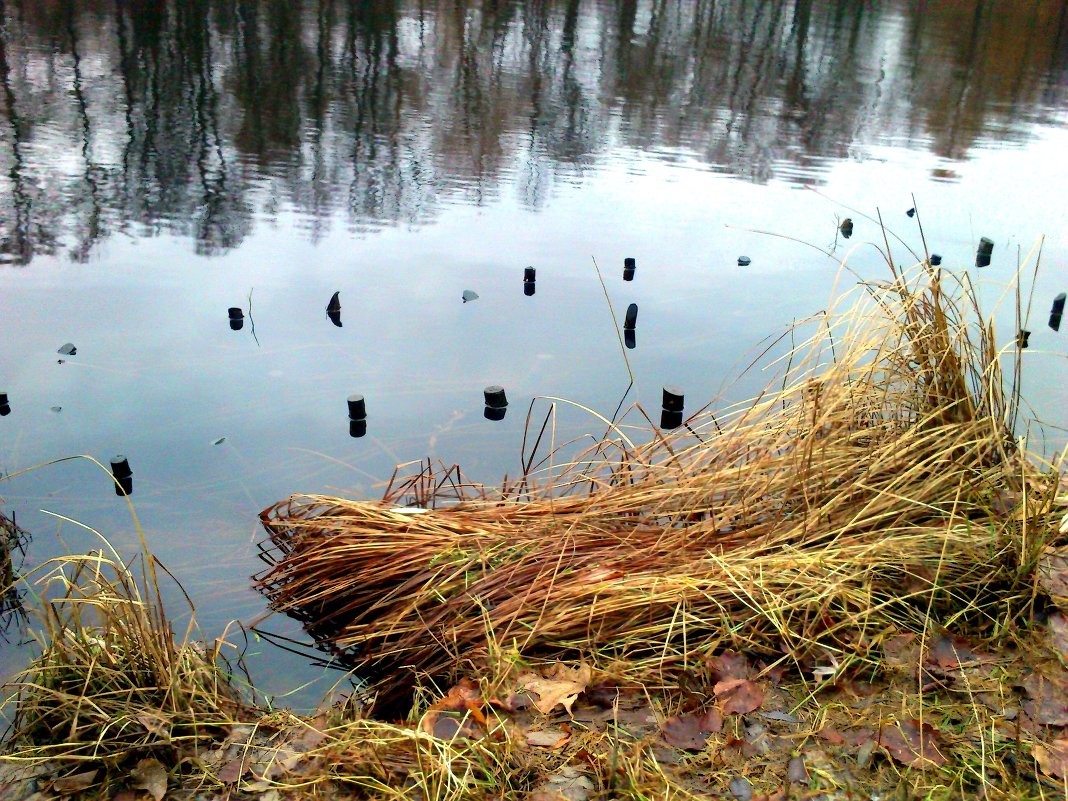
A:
<point x="495" y="397"/>
<point x="1057" y="312"/>
<point x="935" y="259"/>
<point x="357" y="407"/>
<point x="982" y="254"/>
<point x="631" y="320"/>
<point x="237" y="318"/>
<point x="120" y="469"/>
<point x="846" y="227"/>
<point x="629" y="266"/>
<point x="5" y="407"/>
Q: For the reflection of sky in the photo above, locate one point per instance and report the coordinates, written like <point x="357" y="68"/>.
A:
<point x="159" y="375"/>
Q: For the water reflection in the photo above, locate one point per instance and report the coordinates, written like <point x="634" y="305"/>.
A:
<point x="193" y="117"/>
<point x="13" y="541"/>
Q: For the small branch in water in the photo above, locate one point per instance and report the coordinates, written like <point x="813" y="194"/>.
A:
<point x="252" y="323"/>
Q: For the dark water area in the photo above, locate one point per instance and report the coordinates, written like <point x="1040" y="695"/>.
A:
<point x="162" y="163"/>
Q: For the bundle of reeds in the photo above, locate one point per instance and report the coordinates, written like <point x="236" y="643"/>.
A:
<point x="111" y="680"/>
<point x="880" y="484"/>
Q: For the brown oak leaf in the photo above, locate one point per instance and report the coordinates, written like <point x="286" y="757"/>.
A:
<point x="1058" y="634"/>
<point x="690" y="732"/>
<point x="150" y="775"/>
<point x="1047" y="703"/>
<point x="912" y="743"/>
<point x="1052" y="757"/>
<point x="738" y="696"/>
<point x="728" y="665"/>
<point x="950" y="653"/>
<point x="67" y="785"/>
<point x="561" y="686"/>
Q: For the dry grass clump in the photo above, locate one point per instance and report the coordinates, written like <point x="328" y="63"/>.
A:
<point x="112" y="680"/>
<point x="880" y="485"/>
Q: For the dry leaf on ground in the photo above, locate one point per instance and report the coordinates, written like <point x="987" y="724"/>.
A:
<point x="912" y="744"/>
<point x="75" y="783"/>
<point x="902" y="651"/>
<point x="234" y="769"/>
<point x="1058" y="634"/>
<point x="562" y="686"/>
<point x="738" y="696"/>
<point x="547" y="738"/>
<point x="566" y="784"/>
<point x="1052" y="757"/>
<point x="1047" y="704"/>
<point x="464" y="697"/>
<point x="728" y="665"/>
<point x="690" y="732"/>
<point x="1053" y="573"/>
<point x="150" y="775"/>
<point x="950" y="653"/>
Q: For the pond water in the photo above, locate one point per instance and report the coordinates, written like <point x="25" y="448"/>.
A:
<point x="162" y="162"/>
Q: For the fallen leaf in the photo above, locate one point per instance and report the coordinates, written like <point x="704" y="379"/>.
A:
<point x="912" y="744"/>
<point x="951" y="653"/>
<point x="712" y="721"/>
<point x="123" y="795"/>
<point x="562" y="686"/>
<point x="741" y="789"/>
<point x="728" y="665"/>
<point x="602" y="695"/>
<point x="832" y="735"/>
<point x="690" y="732"/>
<point x="684" y="731"/>
<point x="1052" y="757"/>
<point x="858" y="736"/>
<point x="1053" y="573"/>
<point x="234" y="770"/>
<point x="1048" y="700"/>
<point x="515" y="702"/>
<point x="547" y="738"/>
<point x="154" y="724"/>
<point x="738" y="696"/>
<point x="150" y="775"/>
<point x="75" y="783"/>
<point x="568" y="784"/>
<point x="796" y="772"/>
<point x="902" y="651"/>
<point x="1058" y="634"/>
<point x="463" y="697"/>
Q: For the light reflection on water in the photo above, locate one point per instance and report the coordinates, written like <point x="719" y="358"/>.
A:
<point x="162" y="163"/>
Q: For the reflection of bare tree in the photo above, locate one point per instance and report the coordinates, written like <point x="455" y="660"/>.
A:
<point x="192" y="116"/>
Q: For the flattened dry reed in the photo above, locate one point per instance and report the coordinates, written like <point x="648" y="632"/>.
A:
<point x="879" y="487"/>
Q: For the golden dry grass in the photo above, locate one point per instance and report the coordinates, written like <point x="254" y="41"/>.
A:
<point x="111" y="679"/>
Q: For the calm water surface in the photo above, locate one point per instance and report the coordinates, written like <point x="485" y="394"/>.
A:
<point x="161" y="162"/>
